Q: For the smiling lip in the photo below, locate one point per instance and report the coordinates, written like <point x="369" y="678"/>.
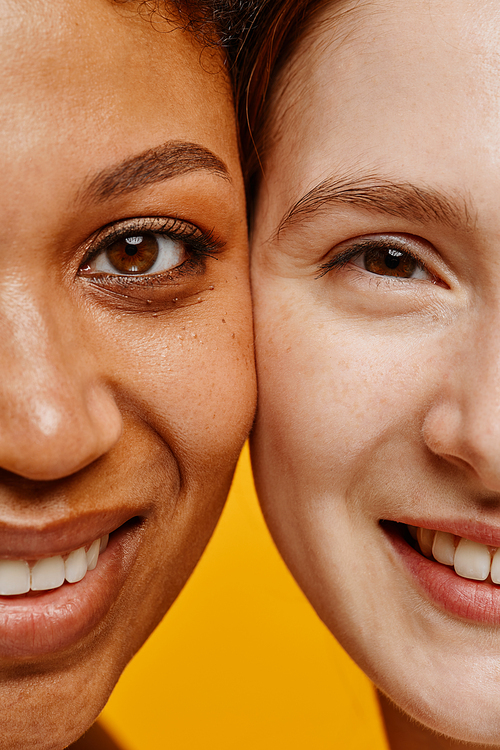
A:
<point x="55" y="620"/>
<point x="478" y="601"/>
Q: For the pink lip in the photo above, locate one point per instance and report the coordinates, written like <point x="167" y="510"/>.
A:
<point x="472" y="600"/>
<point x="472" y="530"/>
<point x="53" y="621"/>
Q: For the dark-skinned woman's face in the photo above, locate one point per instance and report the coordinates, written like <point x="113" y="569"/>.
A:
<point x="127" y="383"/>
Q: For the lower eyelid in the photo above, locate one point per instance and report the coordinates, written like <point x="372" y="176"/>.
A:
<point x="161" y="281"/>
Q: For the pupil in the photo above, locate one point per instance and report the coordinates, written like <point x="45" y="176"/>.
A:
<point x="392" y="259"/>
<point x="132" y="245"/>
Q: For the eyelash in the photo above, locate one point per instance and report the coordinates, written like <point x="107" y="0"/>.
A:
<point x="199" y="245"/>
<point x="342" y="259"/>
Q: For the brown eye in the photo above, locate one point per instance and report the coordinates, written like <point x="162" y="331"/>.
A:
<point x="389" y="261"/>
<point x="133" y="254"/>
<point x="136" y="254"/>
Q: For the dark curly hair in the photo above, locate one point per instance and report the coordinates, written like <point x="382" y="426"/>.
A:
<point x="221" y="23"/>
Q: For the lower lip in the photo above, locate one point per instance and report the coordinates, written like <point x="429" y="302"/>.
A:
<point x="478" y="601"/>
<point x="58" y="619"/>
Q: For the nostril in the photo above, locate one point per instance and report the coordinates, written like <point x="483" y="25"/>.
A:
<point x="458" y="462"/>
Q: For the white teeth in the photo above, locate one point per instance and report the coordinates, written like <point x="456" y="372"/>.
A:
<point x="495" y="567"/>
<point x="472" y="560"/>
<point x="47" y="574"/>
<point x="469" y="559"/>
<point x="76" y="565"/>
<point x="93" y="554"/>
<point x="425" y="539"/>
<point x="14" y="577"/>
<point x="443" y="548"/>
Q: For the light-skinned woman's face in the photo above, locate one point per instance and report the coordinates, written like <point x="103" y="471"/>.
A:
<point x="127" y="382"/>
<point x="376" y="272"/>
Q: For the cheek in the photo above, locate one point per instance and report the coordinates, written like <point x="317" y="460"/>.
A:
<point x="190" y="380"/>
<point x="333" y="392"/>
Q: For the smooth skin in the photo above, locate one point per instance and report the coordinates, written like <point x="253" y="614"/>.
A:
<point x="379" y="397"/>
<point x="120" y="396"/>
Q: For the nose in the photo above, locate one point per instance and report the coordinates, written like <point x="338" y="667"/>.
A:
<point x="56" y="414"/>
<point x="463" y="422"/>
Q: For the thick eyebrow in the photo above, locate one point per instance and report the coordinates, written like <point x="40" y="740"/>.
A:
<point x="413" y="203"/>
<point x="164" y="162"/>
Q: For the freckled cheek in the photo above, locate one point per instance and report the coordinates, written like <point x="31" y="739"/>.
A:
<point x="192" y="382"/>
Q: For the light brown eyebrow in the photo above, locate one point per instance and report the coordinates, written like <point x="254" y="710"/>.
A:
<point x="164" y="162"/>
<point x="413" y="203"/>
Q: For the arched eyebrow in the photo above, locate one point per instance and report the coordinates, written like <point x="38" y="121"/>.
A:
<point x="418" y="204"/>
<point x="158" y="164"/>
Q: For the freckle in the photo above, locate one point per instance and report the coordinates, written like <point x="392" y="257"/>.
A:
<point x="233" y="336"/>
<point x="223" y="320"/>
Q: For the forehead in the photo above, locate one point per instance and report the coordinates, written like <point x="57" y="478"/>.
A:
<point x="372" y="83"/>
<point x="107" y="77"/>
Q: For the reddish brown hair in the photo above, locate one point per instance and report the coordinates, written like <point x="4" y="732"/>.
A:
<point x="275" y="27"/>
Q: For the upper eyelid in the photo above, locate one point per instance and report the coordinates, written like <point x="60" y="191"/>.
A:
<point x="121" y="228"/>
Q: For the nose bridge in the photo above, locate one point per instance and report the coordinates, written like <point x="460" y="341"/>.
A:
<point x="56" y="415"/>
<point x="464" y="421"/>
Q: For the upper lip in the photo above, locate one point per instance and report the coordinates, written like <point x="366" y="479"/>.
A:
<point x="58" y="537"/>
<point x="475" y="531"/>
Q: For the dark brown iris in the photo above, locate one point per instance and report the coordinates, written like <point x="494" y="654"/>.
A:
<point x="390" y="262"/>
<point x="133" y="254"/>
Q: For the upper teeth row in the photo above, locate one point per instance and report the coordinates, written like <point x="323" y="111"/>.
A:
<point x="18" y="577"/>
<point x="470" y="559"/>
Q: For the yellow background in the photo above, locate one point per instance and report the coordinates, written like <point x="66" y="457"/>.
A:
<point x="241" y="661"/>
